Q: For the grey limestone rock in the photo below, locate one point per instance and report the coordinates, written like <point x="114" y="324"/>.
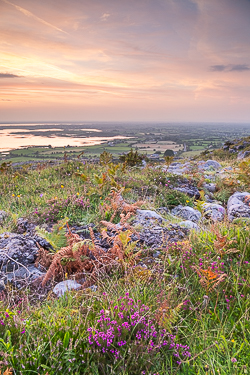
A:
<point x="188" y="189"/>
<point x="65" y="286"/>
<point x="238" y="205"/>
<point x="189" y="224"/>
<point x="3" y="216"/>
<point x="214" y="211"/>
<point x="209" y="164"/>
<point x="178" y="168"/>
<point x="187" y="213"/>
<point x="155" y="237"/>
<point x="28" y="274"/>
<point x="210" y="187"/>
<point x="16" y="250"/>
<point x="145" y="215"/>
<point x="243" y="155"/>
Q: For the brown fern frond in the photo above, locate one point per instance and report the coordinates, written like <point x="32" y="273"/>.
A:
<point x="113" y="215"/>
<point x="92" y="236"/>
<point x="106" y="237"/>
<point x="110" y="226"/>
<point x="124" y="218"/>
<point x="56" y="263"/>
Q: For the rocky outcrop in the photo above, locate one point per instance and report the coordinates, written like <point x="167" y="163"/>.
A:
<point x="178" y="168"/>
<point x="214" y="211"/>
<point x="17" y="257"/>
<point x="188" y="189"/>
<point x="187" y="213"/>
<point x="155" y="237"/>
<point x="240" y="147"/>
<point x="243" y="155"/>
<point x="238" y="205"/>
<point x="211" y="188"/>
<point x="189" y="224"/>
<point x="209" y="165"/>
<point x="3" y="216"/>
<point x="145" y="216"/>
<point x="16" y="249"/>
<point x="65" y="286"/>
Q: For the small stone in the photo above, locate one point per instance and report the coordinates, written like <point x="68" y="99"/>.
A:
<point x="238" y="205"/>
<point x="189" y="224"/>
<point x="3" y="216"/>
<point x="146" y="217"/>
<point x="65" y="286"/>
<point x="214" y="211"/>
<point x="187" y="213"/>
<point x="210" y="164"/>
<point x="243" y="155"/>
<point x="210" y="187"/>
<point x="2" y="286"/>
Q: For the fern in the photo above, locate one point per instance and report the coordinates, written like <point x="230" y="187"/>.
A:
<point x="167" y="316"/>
<point x="57" y="237"/>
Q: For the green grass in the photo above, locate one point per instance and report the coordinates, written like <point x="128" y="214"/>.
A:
<point x="52" y="336"/>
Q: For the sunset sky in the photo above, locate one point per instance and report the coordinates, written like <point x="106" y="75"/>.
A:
<point x="126" y="60"/>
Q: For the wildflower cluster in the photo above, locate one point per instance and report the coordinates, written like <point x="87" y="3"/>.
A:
<point x="127" y="328"/>
<point x="11" y="319"/>
<point x="59" y="208"/>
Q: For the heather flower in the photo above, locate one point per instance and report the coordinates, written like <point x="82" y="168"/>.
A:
<point x="128" y="328"/>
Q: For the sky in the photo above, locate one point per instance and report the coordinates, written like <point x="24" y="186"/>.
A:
<point x="125" y="60"/>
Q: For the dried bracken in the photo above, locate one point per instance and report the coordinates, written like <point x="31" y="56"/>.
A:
<point x="88" y="256"/>
<point x="166" y="316"/>
<point x="222" y="244"/>
<point x="116" y="204"/>
<point x="209" y="279"/>
<point x="7" y="372"/>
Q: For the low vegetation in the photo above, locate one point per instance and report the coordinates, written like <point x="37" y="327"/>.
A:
<point x="184" y="311"/>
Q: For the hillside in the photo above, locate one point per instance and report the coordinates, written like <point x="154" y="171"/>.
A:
<point x="136" y="267"/>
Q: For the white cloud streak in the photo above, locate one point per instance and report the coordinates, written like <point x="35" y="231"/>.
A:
<point x="27" y="13"/>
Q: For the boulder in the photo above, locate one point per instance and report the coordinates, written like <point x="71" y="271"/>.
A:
<point x="26" y="274"/>
<point x="3" y="216"/>
<point x="156" y="237"/>
<point x="16" y="250"/>
<point x="65" y="286"/>
<point x="210" y="187"/>
<point x="189" y="224"/>
<point x="238" y="205"/>
<point x="210" y="164"/>
<point x="243" y="155"/>
<point x="214" y="211"/>
<point x="187" y="213"/>
<point x="188" y="189"/>
<point x="209" y="198"/>
<point x="24" y="226"/>
<point x="145" y="215"/>
<point x="178" y="168"/>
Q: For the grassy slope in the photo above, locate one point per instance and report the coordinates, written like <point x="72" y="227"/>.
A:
<point x="53" y="336"/>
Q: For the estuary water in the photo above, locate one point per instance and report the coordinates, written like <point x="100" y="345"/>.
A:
<point x="14" y="136"/>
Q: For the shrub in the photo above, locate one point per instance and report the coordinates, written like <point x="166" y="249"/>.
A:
<point x="172" y="198"/>
<point x="132" y="158"/>
<point x="126" y="336"/>
<point x="57" y="209"/>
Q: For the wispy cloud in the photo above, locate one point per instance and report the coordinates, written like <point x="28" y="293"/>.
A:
<point x="239" y="68"/>
<point x="29" y="14"/>
<point x="161" y="58"/>
<point x="8" y="75"/>
<point x="217" y="68"/>
<point x="230" y="68"/>
<point x="105" y="16"/>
